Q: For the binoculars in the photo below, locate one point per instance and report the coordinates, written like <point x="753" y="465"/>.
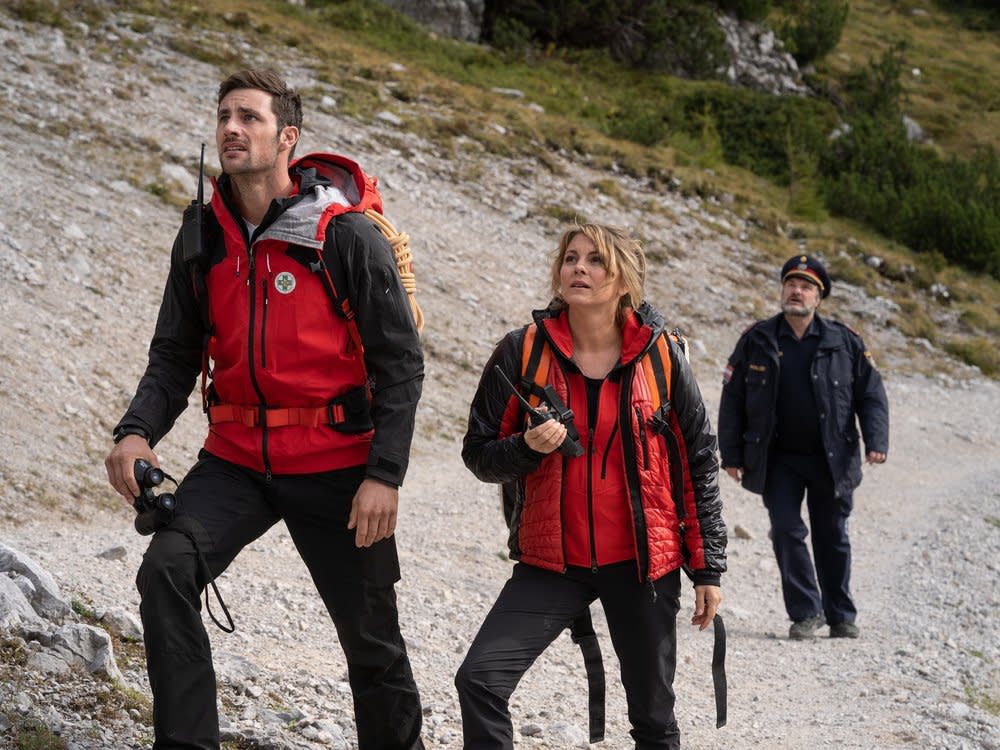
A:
<point x="153" y="511"/>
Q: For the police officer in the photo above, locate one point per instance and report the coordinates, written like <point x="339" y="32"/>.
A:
<point x="794" y="391"/>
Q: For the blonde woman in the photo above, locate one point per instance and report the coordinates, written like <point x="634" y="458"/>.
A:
<point x="614" y="523"/>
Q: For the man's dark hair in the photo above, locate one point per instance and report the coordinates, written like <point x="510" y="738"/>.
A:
<point x="285" y="101"/>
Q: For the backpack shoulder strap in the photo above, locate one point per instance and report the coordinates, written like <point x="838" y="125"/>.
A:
<point x="656" y="367"/>
<point x="325" y="261"/>
<point x="536" y="358"/>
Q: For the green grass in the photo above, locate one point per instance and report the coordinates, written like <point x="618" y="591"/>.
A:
<point x="955" y="97"/>
<point x="32" y="734"/>
<point x="85" y="611"/>
<point x="978" y="351"/>
<point x="983" y="700"/>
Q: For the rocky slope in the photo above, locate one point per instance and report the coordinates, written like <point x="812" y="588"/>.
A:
<point x="101" y="123"/>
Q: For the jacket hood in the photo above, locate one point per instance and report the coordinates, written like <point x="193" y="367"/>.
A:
<point x="325" y="185"/>
<point x="640" y="329"/>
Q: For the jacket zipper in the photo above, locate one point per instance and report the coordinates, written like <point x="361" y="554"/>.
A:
<point x="262" y="409"/>
<point x="642" y="437"/>
<point x="263" y="326"/>
<point x="590" y="499"/>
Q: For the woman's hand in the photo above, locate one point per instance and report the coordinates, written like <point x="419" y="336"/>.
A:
<point x="706" y="603"/>
<point x="546" y="437"/>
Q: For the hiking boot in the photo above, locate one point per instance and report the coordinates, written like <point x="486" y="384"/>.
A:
<point x="803" y="630"/>
<point x="844" y="630"/>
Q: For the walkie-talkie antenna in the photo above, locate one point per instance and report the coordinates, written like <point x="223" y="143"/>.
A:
<point x="535" y="415"/>
<point x="193" y="224"/>
<point x="201" y="177"/>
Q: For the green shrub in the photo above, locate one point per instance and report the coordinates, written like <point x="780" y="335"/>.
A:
<point x="680" y="36"/>
<point x="752" y="125"/>
<point x="511" y="36"/>
<point x="814" y="29"/>
<point x="635" y="120"/>
<point x="979" y="15"/>
<point x="805" y="200"/>
<point x="933" y="205"/>
<point x="710" y="142"/>
<point x="753" y="10"/>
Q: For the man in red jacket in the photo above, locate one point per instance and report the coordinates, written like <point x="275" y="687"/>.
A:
<point x="311" y="414"/>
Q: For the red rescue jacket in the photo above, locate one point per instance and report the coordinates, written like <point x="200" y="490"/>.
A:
<point x="295" y="387"/>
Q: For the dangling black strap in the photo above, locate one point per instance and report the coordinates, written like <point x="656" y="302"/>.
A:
<point x="719" y="671"/>
<point x="182" y="527"/>
<point x="218" y="596"/>
<point x="582" y="632"/>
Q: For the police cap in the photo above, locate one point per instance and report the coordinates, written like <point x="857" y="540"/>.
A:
<point x="809" y="268"/>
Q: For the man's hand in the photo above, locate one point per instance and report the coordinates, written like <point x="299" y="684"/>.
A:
<point x="373" y="512"/>
<point x="706" y="603"/>
<point x="736" y="472"/>
<point x="874" y="457"/>
<point x="120" y="465"/>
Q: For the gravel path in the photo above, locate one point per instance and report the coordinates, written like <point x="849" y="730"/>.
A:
<point x="83" y="244"/>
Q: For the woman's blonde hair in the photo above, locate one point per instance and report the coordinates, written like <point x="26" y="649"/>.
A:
<point x="621" y="255"/>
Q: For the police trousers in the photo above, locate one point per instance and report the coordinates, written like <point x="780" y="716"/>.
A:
<point x="536" y="605"/>
<point x="789" y="479"/>
<point x="224" y="507"/>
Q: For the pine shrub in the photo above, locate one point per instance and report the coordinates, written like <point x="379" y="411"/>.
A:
<point x="814" y="29"/>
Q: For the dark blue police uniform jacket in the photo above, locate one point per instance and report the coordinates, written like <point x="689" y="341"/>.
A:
<point x="845" y="383"/>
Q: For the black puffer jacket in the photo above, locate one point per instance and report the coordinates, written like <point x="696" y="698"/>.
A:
<point x="845" y="384"/>
<point x="494" y="455"/>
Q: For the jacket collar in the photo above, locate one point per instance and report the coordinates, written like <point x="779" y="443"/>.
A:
<point x="640" y="329"/>
<point x="292" y="219"/>
<point x="828" y="338"/>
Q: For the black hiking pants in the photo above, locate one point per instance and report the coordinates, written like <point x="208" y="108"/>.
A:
<point x="225" y="507"/>
<point x="536" y="605"/>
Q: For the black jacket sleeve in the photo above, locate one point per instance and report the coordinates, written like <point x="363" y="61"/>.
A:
<point x="489" y="456"/>
<point x="393" y="356"/>
<point x="699" y="439"/>
<point x="732" y="414"/>
<point x="870" y="401"/>
<point x="174" y="356"/>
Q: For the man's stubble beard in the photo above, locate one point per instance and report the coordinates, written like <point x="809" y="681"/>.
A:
<point x="795" y="311"/>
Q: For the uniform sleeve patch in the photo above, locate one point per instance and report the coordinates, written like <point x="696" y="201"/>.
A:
<point x="871" y="360"/>
<point x="727" y="375"/>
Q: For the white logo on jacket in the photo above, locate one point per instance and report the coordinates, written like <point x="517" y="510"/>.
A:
<point x="284" y="282"/>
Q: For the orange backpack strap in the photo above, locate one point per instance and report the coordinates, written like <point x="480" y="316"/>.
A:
<point x="656" y="368"/>
<point x="536" y="358"/>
